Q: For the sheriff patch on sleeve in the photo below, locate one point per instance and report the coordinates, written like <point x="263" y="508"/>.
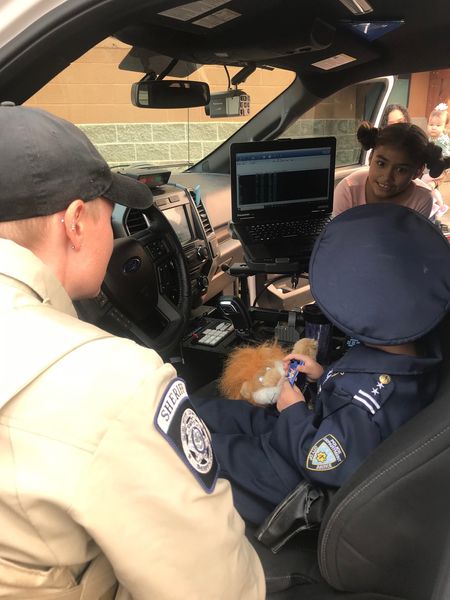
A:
<point x="178" y="422"/>
<point x="326" y="454"/>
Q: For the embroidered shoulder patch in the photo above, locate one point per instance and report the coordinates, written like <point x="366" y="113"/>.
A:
<point x="178" y="422"/>
<point x="326" y="454"/>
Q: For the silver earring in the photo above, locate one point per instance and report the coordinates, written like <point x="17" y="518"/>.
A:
<point x="73" y="247"/>
<point x="62" y="220"/>
<point x="73" y="228"/>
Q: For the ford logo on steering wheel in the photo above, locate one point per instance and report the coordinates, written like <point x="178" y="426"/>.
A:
<point x="132" y="265"/>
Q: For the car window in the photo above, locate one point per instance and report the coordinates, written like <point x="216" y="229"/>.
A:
<point x="339" y="116"/>
<point x="94" y="94"/>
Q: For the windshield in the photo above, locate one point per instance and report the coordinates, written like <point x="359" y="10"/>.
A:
<point x="94" y="94"/>
<point x="339" y="116"/>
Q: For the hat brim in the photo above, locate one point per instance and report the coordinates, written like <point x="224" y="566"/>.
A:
<point x="128" y="192"/>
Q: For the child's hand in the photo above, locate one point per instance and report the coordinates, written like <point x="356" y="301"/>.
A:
<point x="289" y="395"/>
<point x="310" y="367"/>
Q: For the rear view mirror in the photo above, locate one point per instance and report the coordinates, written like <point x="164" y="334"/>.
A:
<point x="170" y="94"/>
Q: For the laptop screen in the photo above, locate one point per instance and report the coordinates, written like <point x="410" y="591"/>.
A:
<point x="285" y="176"/>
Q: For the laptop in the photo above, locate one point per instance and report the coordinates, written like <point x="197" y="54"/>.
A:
<point x="282" y="197"/>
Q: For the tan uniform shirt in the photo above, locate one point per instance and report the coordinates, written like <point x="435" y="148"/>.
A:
<point x="85" y="466"/>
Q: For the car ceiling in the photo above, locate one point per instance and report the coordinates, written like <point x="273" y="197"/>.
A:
<point x="290" y="34"/>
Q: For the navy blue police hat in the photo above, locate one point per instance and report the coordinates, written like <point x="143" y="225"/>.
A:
<point x="381" y="273"/>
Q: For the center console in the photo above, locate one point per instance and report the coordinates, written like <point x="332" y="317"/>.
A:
<point x="213" y="333"/>
<point x="191" y="224"/>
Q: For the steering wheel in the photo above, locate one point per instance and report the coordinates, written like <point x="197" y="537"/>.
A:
<point x="146" y="293"/>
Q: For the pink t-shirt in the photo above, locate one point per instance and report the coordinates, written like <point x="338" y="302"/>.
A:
<point x="351" y="191"/>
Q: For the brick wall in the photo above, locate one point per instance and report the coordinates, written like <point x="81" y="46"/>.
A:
<point x="348" y="149"/>
<point x="178" y="145"/>
<point x="175" y="144"/>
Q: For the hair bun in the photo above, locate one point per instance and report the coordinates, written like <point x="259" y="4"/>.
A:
<point x="437" y="168"/>
<point x="367" y="135"/>
<point x="434" y="152"/>
<point x="435" y="161"/>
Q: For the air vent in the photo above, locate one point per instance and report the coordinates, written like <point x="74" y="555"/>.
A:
<point x="204" y="217"/>
<point x="136" y="221"/>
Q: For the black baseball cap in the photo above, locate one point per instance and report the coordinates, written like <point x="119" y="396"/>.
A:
<point x="381" y="273"/>
<point x="47" y="162"/>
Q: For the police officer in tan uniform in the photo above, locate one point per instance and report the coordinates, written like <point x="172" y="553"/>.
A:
<point x="108" y="483"/>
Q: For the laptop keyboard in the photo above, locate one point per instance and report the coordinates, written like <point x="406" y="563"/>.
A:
<point x="308" y="226"/>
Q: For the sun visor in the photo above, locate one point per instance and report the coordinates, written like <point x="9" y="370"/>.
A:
<point x="347" y="50"/>
<point x="224" y="42"/>
<point x="143" y="60"/>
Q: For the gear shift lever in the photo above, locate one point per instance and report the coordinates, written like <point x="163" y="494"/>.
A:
<point x="234" y="309"/>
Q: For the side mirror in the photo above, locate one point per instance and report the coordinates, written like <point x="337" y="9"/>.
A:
<point x="169" y="94"/>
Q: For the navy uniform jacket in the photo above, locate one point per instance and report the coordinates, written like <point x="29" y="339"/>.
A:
<point x="362" y="398"/>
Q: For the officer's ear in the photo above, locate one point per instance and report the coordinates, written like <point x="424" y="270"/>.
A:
<point x="74" y="217"/>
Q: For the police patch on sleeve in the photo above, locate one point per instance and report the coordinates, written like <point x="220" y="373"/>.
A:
<point x="178" y="422"/>
<point x="326" y="454"/>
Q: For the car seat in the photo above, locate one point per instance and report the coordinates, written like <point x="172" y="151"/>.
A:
<point x="385" y="534"/>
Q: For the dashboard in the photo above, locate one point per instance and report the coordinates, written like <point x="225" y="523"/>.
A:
<point x="202" y="232"/>
<point x="167" y="261"/>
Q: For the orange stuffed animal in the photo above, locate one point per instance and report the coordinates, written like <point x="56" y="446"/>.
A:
<point x="255" y="373"/>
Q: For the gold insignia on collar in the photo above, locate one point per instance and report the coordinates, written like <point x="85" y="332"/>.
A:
<point x="384" y="379"/>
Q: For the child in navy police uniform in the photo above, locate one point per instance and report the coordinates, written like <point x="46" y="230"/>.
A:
<point x="381" y="274"/>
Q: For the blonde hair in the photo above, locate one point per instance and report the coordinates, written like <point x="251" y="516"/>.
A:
<point x="30" y="233"/>
<point x="440" y="113"/>
<point x="26" y="232"/>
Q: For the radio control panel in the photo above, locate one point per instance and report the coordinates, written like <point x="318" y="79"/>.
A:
<point x="189" y="220"/>
<point x="195" y="233"/>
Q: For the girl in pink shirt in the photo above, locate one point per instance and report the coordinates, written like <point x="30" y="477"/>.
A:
<point x="400" y="154"/>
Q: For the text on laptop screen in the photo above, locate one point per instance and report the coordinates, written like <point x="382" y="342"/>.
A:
<point x="269" y="179"/>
